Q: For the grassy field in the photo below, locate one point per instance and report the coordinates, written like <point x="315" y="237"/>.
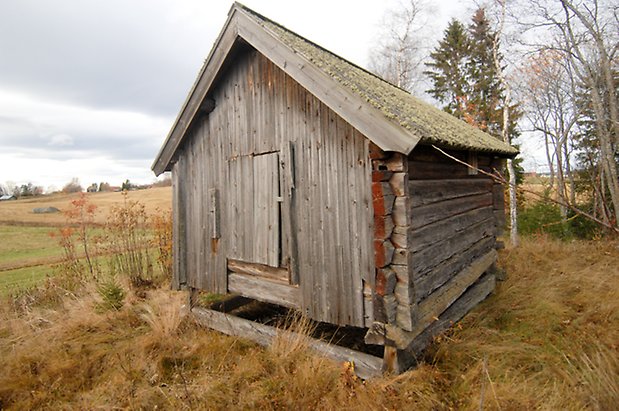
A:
<point x="26" y="246"/>
<point x="27" y="251"/>
<point x="547" y="339"/>
<point x="20" y="211"/>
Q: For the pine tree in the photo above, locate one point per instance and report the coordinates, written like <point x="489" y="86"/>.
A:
<point x="448" y="68"/>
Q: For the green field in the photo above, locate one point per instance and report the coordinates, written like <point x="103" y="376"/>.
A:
<point x="21" y="245"/>
<point x="26" y="256"/>
<point x="23" y="278"/>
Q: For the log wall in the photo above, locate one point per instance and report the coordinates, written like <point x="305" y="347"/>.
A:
<point x="453" y="224"/>
<point x="445" y="220"/>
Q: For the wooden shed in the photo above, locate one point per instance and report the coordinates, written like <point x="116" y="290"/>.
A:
<point x="303" y="180"/>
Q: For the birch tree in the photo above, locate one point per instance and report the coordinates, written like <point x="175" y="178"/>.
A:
<point x="553" y="110"/>
<point x="587" y="32"/>
<point x="507" y="123"/>
<point x="399" y="52"/>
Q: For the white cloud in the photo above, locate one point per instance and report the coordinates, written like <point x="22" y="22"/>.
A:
<point x="48" y="143"/>
<point x="61" y="140"/>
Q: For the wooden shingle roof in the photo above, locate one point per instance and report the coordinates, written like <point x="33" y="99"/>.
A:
<point x="390" y="117"/>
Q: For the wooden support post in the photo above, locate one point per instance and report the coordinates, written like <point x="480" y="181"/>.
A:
<point x="390" y="360"/>
<point x="396" y="361"/>
<point x="192" y="297"/>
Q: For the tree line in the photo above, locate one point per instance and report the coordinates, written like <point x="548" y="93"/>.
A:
<point x="544" y="69"/>
<point x="74" y="186"/>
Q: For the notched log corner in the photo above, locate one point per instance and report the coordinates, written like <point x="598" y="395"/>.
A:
<point x="376" y="334"/>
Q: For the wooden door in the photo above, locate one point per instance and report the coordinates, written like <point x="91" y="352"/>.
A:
<point x="255" y="219"/>
<point x="267" y="216"/>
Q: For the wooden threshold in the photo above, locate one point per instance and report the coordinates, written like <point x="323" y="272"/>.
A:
<point x="264" y="289"/>
<point x="259" y="270"/>
<point x="365" y="365"/>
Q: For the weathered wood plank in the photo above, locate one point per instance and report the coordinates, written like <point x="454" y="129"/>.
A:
<point x="424" y="192"/>
<point x="398" y="183"/>
<point x="288" y="213"/>
<point x="469" y="300"/>
<point x="440" y="274"/>
<point x="440" y="230"/>
<point x="263" y="289"/>
<point x="439" y="171"/>
<point x="179" y="278"/>
<point x="259" y="270"/>
<point x="433" y="306"/>
<point x="429" y="257"/>
<point x="427" y="214"/>
<point x="429" y="154"/>
<point x="214" y="213"/>
<point x="401" y="211"/>
<point x="365" y="365"/>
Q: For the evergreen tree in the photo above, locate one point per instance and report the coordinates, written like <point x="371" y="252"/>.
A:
<point x="485" y="92"/>
<point x="465" y="79"/>
<point x="448" y="68"/>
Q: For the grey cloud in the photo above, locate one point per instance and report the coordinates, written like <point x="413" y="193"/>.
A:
<point x="113" y="54"/>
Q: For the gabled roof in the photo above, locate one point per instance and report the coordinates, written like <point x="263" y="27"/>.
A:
<point x="390" y="117"/>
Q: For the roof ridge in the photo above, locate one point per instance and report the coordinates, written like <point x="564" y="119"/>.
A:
<point x="281" y="26"/>
<point x="391" y="117"/>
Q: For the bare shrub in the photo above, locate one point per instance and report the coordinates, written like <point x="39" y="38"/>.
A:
<point x="78" y="241"/>
<point x="161" y="223"/>
<point x="128" y="242"/>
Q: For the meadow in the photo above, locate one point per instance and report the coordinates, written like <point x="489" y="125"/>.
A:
<point x="548" y="338"/>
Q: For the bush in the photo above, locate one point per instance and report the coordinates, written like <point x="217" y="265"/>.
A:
<point x="128" y="242"/>
<point x="161" y="223"/>
<point x="545" y="217"/>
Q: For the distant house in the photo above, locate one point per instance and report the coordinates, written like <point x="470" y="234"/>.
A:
<point x="7" y="197"/>
<point x="302" y="180"/>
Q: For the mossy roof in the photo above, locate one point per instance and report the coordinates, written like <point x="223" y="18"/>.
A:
<point x="430" y="124"/>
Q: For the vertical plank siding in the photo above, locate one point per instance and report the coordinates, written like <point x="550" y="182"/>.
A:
<point x="276" y="154"/>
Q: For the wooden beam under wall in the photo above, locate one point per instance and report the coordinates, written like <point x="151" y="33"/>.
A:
<point x="436" y="304"/>
<point x="366" y="366"/>
<point x="468" y="301"/>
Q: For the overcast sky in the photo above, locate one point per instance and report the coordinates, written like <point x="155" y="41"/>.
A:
<point x="90" y="89"/>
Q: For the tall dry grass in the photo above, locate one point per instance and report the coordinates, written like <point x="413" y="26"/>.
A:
<point x="532" y="343"/>
<point x="548" y="339"/>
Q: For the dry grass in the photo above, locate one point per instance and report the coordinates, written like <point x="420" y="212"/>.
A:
<point x="548" y="339"/>
<point x="558" y="308"/>
<point x="20" y="211"/>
